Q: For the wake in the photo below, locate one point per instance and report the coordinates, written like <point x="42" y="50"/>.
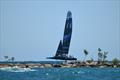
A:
<point x="16" y="69"/>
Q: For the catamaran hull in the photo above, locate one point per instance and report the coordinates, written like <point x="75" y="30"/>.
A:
<point x="62" y="58"/>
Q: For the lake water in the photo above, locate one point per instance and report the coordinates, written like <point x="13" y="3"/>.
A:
<point x="62" y="74"/>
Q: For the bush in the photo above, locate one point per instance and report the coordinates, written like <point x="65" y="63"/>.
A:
<point x="115" y="61"/>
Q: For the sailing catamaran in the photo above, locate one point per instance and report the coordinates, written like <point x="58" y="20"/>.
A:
<point x="63" y="48"/>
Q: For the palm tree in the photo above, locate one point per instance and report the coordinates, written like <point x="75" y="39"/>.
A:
<point x="86" y="53"/>
<point x="6" y="58"/>
<point x="99" y="55"/>
<point x="104" y="56"/>
<point x="12" y="58"/>
<point x="99" y="50"/>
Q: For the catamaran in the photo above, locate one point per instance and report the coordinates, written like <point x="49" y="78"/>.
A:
<point x="63" y="48"/>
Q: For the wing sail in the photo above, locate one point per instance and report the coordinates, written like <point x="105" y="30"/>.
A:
<point x="67" y="33"/>
<point x="59" y="50"/>
<point x="63" y="47"/>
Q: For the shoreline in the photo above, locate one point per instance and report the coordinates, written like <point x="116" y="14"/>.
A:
<point x="67" y="65"/>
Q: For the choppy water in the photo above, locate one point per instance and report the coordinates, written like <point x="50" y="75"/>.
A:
<point x="63" y="74"/>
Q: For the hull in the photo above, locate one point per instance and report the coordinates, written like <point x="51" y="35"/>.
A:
<point x="62" y="58"/>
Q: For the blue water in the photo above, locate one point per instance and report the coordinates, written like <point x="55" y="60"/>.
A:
<point x="63" y="74"/>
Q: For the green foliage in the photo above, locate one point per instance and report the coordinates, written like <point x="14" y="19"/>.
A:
<point x="6" y="58"/>
<point x="99" y="55"/>
<point x="99" y="50"/>
<point x="12" y="58"/>
<point x="102" y="56"/>
<point x="115" y="61"/>
<point x="90" y="61"/>
<point x="85" y="52"/>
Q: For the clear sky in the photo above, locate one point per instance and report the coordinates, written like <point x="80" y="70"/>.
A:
<point x="31" y="29"/>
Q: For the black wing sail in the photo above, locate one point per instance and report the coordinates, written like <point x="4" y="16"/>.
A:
<point x="67" y="33"/>
<point x="59" y="50"/>
<point x="63" y="48"/>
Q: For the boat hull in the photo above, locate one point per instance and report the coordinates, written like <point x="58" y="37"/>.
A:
<point x="62" y="58"/>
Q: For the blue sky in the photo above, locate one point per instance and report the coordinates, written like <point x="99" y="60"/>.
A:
<point x="31" y="30"/>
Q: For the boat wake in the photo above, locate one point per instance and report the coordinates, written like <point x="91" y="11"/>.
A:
<point x="16" y="69"/>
